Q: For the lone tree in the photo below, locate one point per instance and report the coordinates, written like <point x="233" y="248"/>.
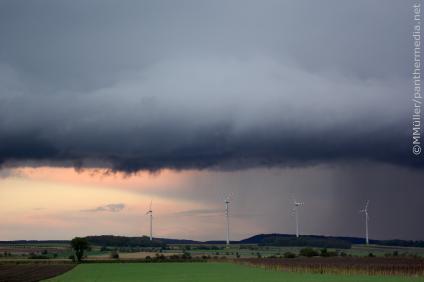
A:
<point x="79" y="245"/>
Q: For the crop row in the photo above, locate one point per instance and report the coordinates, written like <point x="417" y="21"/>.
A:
<point x="347" y="265"/>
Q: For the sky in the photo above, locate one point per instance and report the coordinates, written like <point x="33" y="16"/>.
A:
<point x="108" y="105"/>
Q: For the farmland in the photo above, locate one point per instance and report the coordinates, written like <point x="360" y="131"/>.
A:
<point x="345" y="265"/>
<point x="202" y="262"/>
<point x="205" y="272"/>
<point x="251" y="251"/>
<point x="62" y="251"/>
<point x="31" y="272"/>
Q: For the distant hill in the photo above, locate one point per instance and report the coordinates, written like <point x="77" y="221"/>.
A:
<point x="274" y="239"/>
<point x="18" y="242"/>
<point x="322" y="241"/>
<point x="291" y="240"/>
<point x="319" y="241"/>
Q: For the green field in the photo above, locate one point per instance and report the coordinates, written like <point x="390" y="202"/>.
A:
<point x="203" y="272"/>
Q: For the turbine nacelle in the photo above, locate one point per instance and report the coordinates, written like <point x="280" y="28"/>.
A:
<point x="296" y="205"/>
<point x="150" y="211"/>
<point x="228" y="198"/>
<point x="365" y="209"/>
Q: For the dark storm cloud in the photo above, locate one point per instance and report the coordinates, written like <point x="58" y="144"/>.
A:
<point x="197" y="84"/>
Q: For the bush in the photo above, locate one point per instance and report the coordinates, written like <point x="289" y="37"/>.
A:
<point x="114" y="254"/>
<point x="35" y="256"/>
<point x="104" y="249"/>
<point x="160" y="257"/>
<point x="289" y="255"/>
<point x="326" y="253"/>
<point x="308" y="252"/>
<point x="186" y="255"/>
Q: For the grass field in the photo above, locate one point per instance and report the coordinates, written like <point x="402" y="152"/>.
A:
<point x="204" y="272"/>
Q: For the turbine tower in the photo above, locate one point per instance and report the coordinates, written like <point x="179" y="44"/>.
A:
<point x="227" y="216"/>
<point x="150" y="213"/>
<point x="296" y="206"/>
<point x="365" y="211"/>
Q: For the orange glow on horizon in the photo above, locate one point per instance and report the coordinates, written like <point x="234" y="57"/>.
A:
<point x="103" y="177"/>
<point x="51" y="200"/>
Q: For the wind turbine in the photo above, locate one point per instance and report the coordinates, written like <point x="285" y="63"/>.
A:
<point x="296" y="206"/>
<point x="227" y="216"/>
<point x="365" y="211"/>
<point x="150" y="212"/>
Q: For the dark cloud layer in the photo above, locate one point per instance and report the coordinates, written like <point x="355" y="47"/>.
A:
<point x="204" y="84"/>
<point x="321" y="88"/>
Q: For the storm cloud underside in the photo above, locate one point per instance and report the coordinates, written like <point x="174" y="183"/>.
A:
<point x="269" y="99"/>
<point x="196" y="84"/>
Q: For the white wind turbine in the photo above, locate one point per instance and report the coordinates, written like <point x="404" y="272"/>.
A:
<point x="227" y="216"/>
<point x="365" y="211"/>
<point x="296" y="206"/>
<point x="150" y="212"/>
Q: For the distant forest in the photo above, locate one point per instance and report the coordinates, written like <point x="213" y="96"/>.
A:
<point x="122" y="241"/>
